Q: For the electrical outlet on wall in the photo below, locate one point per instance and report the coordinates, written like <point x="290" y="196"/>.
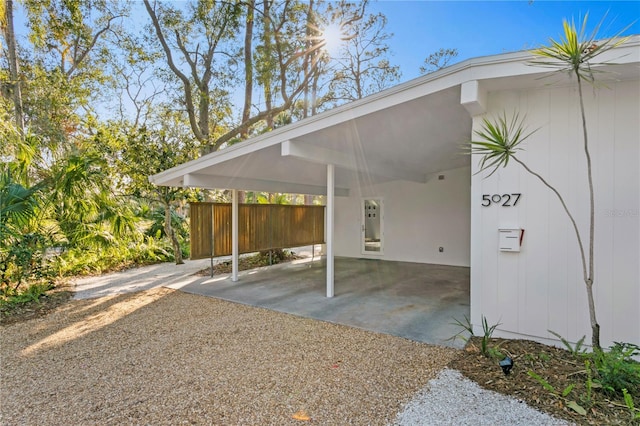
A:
<point x="441" y="249"/>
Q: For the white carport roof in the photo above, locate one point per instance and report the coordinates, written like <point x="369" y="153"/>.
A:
<point x="409" y="132"/>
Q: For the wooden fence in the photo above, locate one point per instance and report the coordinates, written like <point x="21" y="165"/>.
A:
<point x="260" y="227"/>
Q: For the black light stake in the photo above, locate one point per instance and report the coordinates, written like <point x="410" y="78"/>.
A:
<point x="506" y="365"/>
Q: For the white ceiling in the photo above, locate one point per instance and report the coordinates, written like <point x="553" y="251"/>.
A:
<point x="410" y="140"/>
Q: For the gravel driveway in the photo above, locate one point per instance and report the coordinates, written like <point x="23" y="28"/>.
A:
<point x="129" y="350"/>
<point x="165" y="357"/>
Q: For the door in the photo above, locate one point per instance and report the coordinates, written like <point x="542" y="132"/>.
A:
<point x="372" y="226"/>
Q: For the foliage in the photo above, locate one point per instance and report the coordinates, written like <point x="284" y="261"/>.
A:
<point x="466" y="327"/>
<point x="31" y="293"/>
<point x="250" y="261"/>
<point x="23" y="260"/>
<point x="156" y="218"/>
<point x="587" y="398"/>
<point x="614" y="373"/>
<point x="499" y="141"/>
<point x="487" y="333"/>
<point x="438" y="60"/>
<point x="567" y="378"/>
<point x="576" y="350"/>
<point x="633" y="411"/>
<point x="360" y="67"/>
<point x="545" y="384"/>
<point x="574" y="52"/>
<point x="22" y="244"/>
<point x="140" y="152"/>
<point x="273" y="256"/>
<point x="617" y="370"/>
<point x="572" y="404"/>
<point x="78" y="261"/>
<point x="63" y="205"/>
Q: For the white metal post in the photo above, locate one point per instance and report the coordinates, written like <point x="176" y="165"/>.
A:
<point x="330" y="206"/>
<point x="234" y="235"/>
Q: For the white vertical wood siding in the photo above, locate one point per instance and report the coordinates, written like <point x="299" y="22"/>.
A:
<point x="541" y="288"/>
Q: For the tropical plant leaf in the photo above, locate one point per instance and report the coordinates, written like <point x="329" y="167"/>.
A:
<point x="577" y="408"/>
<point x="574" y="51"/>
<point x="499" y="141"/>
<point x="568" y="390"/>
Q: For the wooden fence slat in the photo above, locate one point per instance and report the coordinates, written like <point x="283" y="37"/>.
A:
<point x="260" y="227"/>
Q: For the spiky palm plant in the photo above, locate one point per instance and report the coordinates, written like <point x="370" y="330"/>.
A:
<point x="574" y="54"/>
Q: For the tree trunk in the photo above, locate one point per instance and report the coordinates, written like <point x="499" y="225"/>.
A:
<point x="248" y="67"/>
<point x="595" y="327"/>
<point x="314" y="93"/>
<point x="168" y="230"/>
<point x="267" y="49"/>
<point x="14" y="67"/>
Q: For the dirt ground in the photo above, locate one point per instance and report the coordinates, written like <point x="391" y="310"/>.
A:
<point x="557" y="366"/>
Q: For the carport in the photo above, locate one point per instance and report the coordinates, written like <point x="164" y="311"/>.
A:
<point x="401" y="150"/>
<point x="413" y="300"/>
<point x="410" y="133"/>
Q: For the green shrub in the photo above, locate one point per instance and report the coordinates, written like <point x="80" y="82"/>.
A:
<point x="487" y="332"/>
<point x="97" y="260"/>
<point x="617" y="370"/>
<point x="22" y="260"/>
<point x="25" y="294"/>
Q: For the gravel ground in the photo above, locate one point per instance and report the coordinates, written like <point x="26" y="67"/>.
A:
<point x="452" y="399"/>
<point x="165" y="357"/>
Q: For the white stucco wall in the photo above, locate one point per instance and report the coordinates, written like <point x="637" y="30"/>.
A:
<point x="418" y="219"/>
<point x="541" y="288"/>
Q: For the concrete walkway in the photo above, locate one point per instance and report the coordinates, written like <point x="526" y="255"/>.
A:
<point x="159" y="275"/>
<point x="139" y="279"/>
<point x="411" y="300"/>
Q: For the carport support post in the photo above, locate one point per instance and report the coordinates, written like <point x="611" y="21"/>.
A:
<point x="234" y="235"/>
<point x="330" y="204"/>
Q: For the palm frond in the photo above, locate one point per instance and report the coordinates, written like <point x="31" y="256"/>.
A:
<point x="499" y="141"/>
<point x="574" y="51"/>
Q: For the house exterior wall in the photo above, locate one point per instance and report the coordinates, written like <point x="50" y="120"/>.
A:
<point x="417" y="220"/>
<point x="541" y="288"/>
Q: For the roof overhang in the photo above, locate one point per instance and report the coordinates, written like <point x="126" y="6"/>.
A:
<point x="409" y="132"/>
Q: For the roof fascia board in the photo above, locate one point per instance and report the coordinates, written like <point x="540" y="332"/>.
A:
<point x="248" y="184"/>
<point x="319" y="155"/>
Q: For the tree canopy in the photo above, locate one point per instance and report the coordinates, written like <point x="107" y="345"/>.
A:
<point x="98" y="95"/>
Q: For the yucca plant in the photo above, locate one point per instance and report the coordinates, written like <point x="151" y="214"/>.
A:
<point x="500" y="139"/>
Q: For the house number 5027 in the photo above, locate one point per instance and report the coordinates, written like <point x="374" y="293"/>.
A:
<point x="505" y="200"/>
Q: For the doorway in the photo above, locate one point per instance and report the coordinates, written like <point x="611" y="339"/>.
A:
<point x="372" y="237"/>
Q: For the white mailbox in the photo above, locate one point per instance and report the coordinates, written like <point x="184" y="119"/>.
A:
<point x="510" y="239"/>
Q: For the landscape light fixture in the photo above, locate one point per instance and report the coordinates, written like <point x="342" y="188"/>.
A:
<point x="506" y="365"/>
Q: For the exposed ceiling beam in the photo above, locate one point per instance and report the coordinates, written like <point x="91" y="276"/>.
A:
<point x="196" y="180"/>
<point x="473" y="97"/>
<point x="317" y="154"/>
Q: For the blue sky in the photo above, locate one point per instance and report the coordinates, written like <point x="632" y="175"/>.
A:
<point x="480" y="28"/>
<point x="476" y="28"/>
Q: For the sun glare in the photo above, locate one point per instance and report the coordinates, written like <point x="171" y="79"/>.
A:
<point x="332" y="39"/>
